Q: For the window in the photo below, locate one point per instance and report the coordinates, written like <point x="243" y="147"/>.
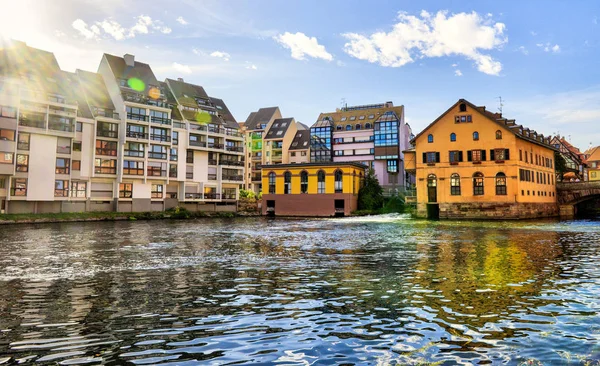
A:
<point x="79" y="127"/>
<point x="499" y="155"/>
<point x="105" y="129"/>
<point x="462" y="107"/>
<point x="62" y="165"/>
<point x="61" y="188"/>
<point x="357" y="127"/>
<point x="339" y="181"/>
<point x="431" y="157"/>
<point x="368" y="126"/>
<point x="173" y="156"/>
<point x="22" y="163"/>
<point x="456" y="156"/>
<point x="478" y="184"/>
<point x="452" y="137"/>
<point x="287" y="183"/>
<point x="175" y="137"/>
<point x="475" y="136"/>
<point x="125" y="190"/>
<point x="271" y="183"/>
<point x="361" y="117"/>
<point x="392" y="166"/>
<point x="321" y="182"/>
<point x="520" y="155"/>
<point x="476" y="156"/>
<point x="352" y="118"/>
<point x="501" y="184"/>
<point x="157" y="152"/>
<point x="77" y="165"/>
<point x="6" y="157"/>
<point x="63" y="145"/>
<point x="498" y="135"/>
<point x="78" y="189"/>
<point x="293" y="153"/>
<point x="303" y="153"/>
<point x="172" y="170"/>
<point x="7" y="135"/>
<point x="455" y="184"/>
<point x="304" y="182"/>
<point x="371" y="116"/>
<point x="107" y="148"/>
<point x="137" y="114"/>
<point x="156" y="169"/>
<point x="343" y="119"/>
<point x="159" y="134"/>
<point x="77" y="146"/>
<point x="133" y="167"/>
<point x="23" y="141"/>
<point x="348" y="127"/>
<point x="8" y="112"/>
<point x="105" y="166"/>
<point x="18" y="187"/>
<point x="430" y="138"/>
<point x="134" y="149"/>
<point x="156" y="191"/>
<point x="339" y="127"/>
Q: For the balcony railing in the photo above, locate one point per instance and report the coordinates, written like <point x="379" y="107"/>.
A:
<point x="106" y="152"/>
<point x="134" y="153"/>
<point x="133" y="171"/>
<point x="106" y="133"/>
<point x="216" y="130"/>
<point x="234" y="133"/>
<point x="235" y="148"/>
<point x="195" y="127"/>
<point x="236" y="178"/>
<point x="256" y="178"/>
<point x="212" y="161"/>
<point x="212" y="196"/>
<point x="105" y="170"/>
<point x="157" y="155"/>
<point x="59" y="126"/>
<point x="198" y="143"/>
<point x="137" y="117"/>
<point x="212" y="177"/>
<point x="137" y="135"/>
<point x="254" y="157"/>
<point x="156" y="172"/>
<point x="163" y="138"/>
<point x="22" y="145"/>
<point x="178" y="124"/>
<point x="173" y="173"/>
<point x="32" y="123"/>
<point x="212" y="145"/>
<point x="161" y="120"/>
<point x="189" y="175"/>
<point x="231" y="162"/>
<point x="193" y="196"/>
<point x="19" y="192"/>
<point x="226" y="196"/>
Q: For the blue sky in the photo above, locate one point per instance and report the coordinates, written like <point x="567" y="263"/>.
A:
<point x="308" y="56"/>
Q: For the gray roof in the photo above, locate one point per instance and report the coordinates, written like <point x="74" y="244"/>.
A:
<point x="95" y="90"/>
<point x="186" y="93"/>
<point x="301" y="141"/>
<point x="278" y="128"/>
<point x="140" y="71"/>
<point x="222" y="109"/>
<point x="302" y="126"/>
<point x="263" y="115"/>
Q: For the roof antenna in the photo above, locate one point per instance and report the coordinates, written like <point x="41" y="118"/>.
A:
<point x="344" y="104"/>
<point x="501" y="104"/>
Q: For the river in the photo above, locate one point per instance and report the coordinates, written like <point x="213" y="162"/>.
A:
<point x="375" y="290"/>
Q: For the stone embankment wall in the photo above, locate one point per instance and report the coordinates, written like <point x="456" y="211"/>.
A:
<point x="491" y="211"/>
<point x="248" y="206"/>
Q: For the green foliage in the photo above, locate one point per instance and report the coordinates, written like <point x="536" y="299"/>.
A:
<point x="259" y="195"/>
<point x="179" y="213"/>
<point x="247" y="194"/>
<point x="393" y="204"/>
<point x="560" y="165"/>
<point x="370" y="196"/>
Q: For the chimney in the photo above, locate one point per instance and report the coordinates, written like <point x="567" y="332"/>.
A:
<point x="389" y="104"/>
<point x="180" y="79"/>
<point x="129" y="60"/>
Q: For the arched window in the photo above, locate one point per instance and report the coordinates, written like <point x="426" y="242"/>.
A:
<point x="455" y="184"/>
<point x="338" y="127"/>
<point x="321" y="182"/>
<point x="475" y="136"/>
<point x="287" y="183"/>
<point x="367" y="126"/>
<point x="348" y="127"/>
<point x="463" y="107"/>
<point x="452" y="137"/>
<point x="477" y="184"/>
<point x="498" y="135"/>
<point x="430" y="138"/>
<point x="431" y="180"/>
<point x="501" y="184"/>
<point x="357" y="127"/>
<point x="338" y="181"/>
<point x="304" y="182"/>
<point x="272" y="183"/>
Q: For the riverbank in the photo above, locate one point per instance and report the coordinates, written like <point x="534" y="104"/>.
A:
<point x="7" y="219"/>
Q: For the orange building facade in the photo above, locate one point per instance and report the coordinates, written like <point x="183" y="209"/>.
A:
<point x="474" y="164"/>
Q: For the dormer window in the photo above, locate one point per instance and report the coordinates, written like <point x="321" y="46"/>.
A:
<point x="339" y="127"/>
<point x="361" y="117"/>
<point x="343" y="119"/>
<point x="371" y="116"/>
<point x="462" y="107"/>
<point x="348" y="127"/>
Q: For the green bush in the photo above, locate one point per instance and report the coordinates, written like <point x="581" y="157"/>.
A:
<point x="179" y="213"/>
<point x="247" y="194"/>
<point x="393" y="204"/>
<point x="370" y="196"/>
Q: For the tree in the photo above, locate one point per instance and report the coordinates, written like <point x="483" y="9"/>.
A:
<point x="560" y="165"/>
<point x="370" y="196"/>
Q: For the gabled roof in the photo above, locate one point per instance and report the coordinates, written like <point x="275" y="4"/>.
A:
<point x="139" y="70"/>
<point x="95" y="90"/>
<point x="497" y="118"/>
<point x="353" y="116"/>
<point x="301" y="141"/>
<point x="302" y="126"/>
<point x="186" y="93"/>
<point x="279" y="128"/>
<point x="17" y="58"/>
<point x="594" y="154"/>
<point x="225" y="114"/>
<point x="263" y="115"/>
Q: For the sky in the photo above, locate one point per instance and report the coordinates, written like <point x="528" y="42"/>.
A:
<point x="313" y="56"/>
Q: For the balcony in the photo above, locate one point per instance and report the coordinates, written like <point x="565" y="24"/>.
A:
<point x="212" y="196"/>
<point x="105" y="170"/>
<point x="22" y="145"/>
<point x="256" y="157"/>
<point x="197" y="143"/>
<point x="212" y="177"/>
<point x="59" y="126"/>
<point x="142" y="99"/>
<point x="256" y="178"/>
<point x="234" y="133"/>
<point x="137" y="117"/>
<point x="32" y="123"/>
<point x="235" y="148"/>
<point x="172" y="173"/>
<point x="231" y="162"/>
<point x="161" y="120"/>
<point x="134" y="153"/>
<point x="196" y="127"/>
<point x="277" y="146"/>
<point x="156" y="172"/>
<point x="212" y="161"/>
<point x="235" y="178"/>
<point x="230" y="197"/>
<point x="161" y="138"/>
<point x="212" y="145"/>
<point x="216" y="130"/>
<point x="133" y="171"/>
<point x="189" y="175"/>
<point x="18" y="192"/>
<point x="157" y="155"/>
<point x="106" y="133"/>
<point x="177" y="124"/>
<point x="103" y="151"/>
<point x="137" y="135"/>
<point x="193" y="196"/>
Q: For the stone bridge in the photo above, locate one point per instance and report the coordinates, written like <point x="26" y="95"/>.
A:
<point x="571" y="194"/>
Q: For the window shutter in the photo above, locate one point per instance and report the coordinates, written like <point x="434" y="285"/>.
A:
<point x="507" y="154"/>
<point x="482" y="155"/>
<point x="469" y="156"/>
<point x="492" y="155"/>
<point x="437" y="157"/>
<point x="424" y="158"/>
<point x="460" y="156"/>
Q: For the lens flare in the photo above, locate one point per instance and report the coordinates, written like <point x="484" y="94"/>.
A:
<point x="136" y="84"/>
<point x="154" y="93"/>
<point x="203" y="117"/>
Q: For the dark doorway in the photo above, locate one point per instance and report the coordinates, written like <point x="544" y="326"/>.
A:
<point x="271" y="207"/>
<point x="433" y="211"/>
<point x="431" y="188"/>
<point x="339" y="207"/>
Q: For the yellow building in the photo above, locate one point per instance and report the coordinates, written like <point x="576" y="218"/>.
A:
<point x="472" y="163"/>
<point x="593" y="162"/>
<point x="311" y="189"/>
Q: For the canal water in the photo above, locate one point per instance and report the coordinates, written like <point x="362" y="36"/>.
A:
<point x="382" y="290"/>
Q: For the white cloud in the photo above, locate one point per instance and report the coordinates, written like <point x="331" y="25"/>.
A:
<point x="144" y="25"/>
<point x="547" y="47"/>
<point x="454" y="65"/>
<point x="340" y="63"/>
<point x="457" y="72"/>
<point x="427" y="35"/>
<point x="556" y="48"/>
<point x="524" y="50"/>
<point x="301" y="46"/>
<point x="595" y="20"/>
<point x="252" y="67"/>
<point x="224" y="55"/>
<point x="533" y="33"/>
<point x="182" y="68"/>
<point x="181" y="21"/>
